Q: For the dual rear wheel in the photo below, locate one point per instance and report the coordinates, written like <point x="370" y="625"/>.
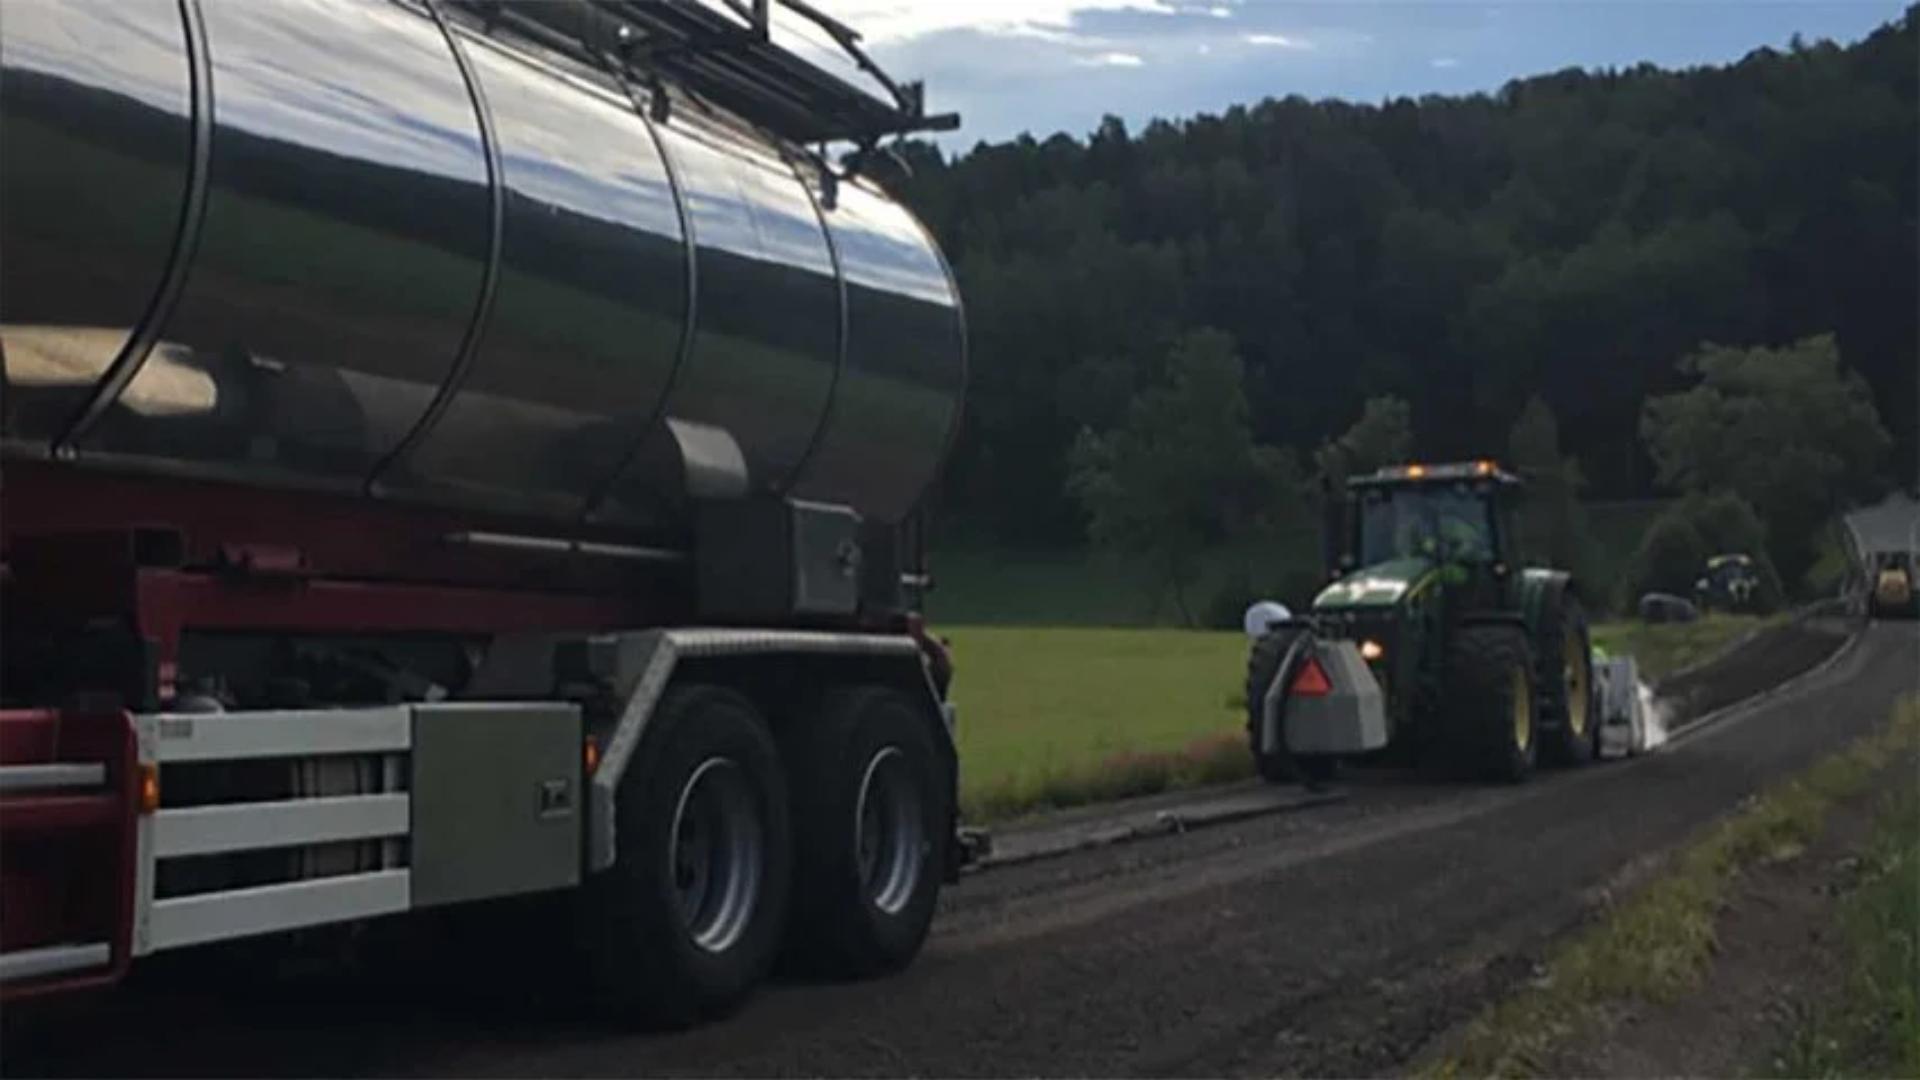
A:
<point x="732" y="844"/>
<point x="1514" y="699"/>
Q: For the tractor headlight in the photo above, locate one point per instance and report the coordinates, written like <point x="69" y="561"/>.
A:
<point x="1371" y="650"/>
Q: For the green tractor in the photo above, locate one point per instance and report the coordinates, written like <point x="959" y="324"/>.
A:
<point x="1433" y="643"/>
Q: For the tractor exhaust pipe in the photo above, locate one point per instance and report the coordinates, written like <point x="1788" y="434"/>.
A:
<point x="1333" y="526"/>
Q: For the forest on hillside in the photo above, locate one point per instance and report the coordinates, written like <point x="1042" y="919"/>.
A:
<point x="1571" y="237"/>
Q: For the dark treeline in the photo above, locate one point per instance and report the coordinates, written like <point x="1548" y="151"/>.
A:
<point x="1570" y="236"/>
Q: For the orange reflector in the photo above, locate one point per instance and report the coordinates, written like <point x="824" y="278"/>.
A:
<point x="149" y="788"/>
<point x="1416" y="471"/>
<point x="593" y="754"/>
<point x="1311" y="680"/>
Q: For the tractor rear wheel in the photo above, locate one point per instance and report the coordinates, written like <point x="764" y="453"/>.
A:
<point x="1491" y="713"/>
<point x="1569" y="724"/>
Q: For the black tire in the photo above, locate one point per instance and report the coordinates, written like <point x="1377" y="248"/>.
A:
<point x="1263" y="666"/>
<point x="705" y="782"/>
<point x="862" y="913"/>
<point x="1492" y="722"/>
<point x="1563" y="656"/>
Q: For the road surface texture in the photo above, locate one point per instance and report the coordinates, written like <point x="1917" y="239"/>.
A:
<point x="1332" y="940"/>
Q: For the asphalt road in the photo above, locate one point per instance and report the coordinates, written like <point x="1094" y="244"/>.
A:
<point x="1335" y="940"/>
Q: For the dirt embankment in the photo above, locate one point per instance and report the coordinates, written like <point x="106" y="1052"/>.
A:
<point x="1779" y="957"/>
<point x="1769" y="658"/>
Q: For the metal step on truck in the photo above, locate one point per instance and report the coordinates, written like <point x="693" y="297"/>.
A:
<point x="458" y="451"/>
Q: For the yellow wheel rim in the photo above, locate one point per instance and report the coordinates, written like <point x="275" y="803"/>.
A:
<point x="1522" y="710"/>
<point x="1579" y="674"/>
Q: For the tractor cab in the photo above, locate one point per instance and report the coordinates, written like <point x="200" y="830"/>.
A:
<point x="1404" y="524"/>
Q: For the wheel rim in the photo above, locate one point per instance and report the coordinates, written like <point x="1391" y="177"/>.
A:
<point x="716" y="850"/>
<point x="889" y="831"/>
<point x="1522" y="711"/>
<point x="1578" y="674"/>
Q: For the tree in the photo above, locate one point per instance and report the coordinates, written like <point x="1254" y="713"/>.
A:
<point x="1181" y="472"/>
<point x="1675" y="548"/>
<point x="1789" y="429"/>
<point x="1553" y="523"/>
<point x="1668" y="560"/>
<point x="1565" y="237"/>
<point x="1382" y="436"/>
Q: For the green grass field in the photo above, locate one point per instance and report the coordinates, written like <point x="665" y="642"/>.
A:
<point x="1051" y="716"/>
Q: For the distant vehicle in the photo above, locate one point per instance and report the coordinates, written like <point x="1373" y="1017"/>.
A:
<point x="1893" y="588"/>
<point x="1433" y="638"/>
<point x="1730" y="583"/>
<point x="1659" y="607"/>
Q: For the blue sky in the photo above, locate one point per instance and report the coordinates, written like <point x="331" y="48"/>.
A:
<point x="1050" y="65"/>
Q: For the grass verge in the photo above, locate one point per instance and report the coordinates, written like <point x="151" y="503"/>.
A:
<point x="1664" y="648"/>
<point x="1209" y="759"/>
<point x="1873" y="1029"/>
<point x="1658" y="943"/>
<point x="1055" y="717"/>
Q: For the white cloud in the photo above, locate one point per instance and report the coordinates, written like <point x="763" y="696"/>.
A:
<point x="1444" y="62"/>
<point x="1278" y="41"/>
<point x="883" y="21"/>
<point x="1220" y="12"/>
<point x="1204" y="49"/>
<point x="1111" y="59"/>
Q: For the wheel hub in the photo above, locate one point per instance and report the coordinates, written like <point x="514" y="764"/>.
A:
<point x="1522" y="711"/>
<point x="1577" y="662"/>
<point x="890" y="831"/>
<point x="716" y="852"/>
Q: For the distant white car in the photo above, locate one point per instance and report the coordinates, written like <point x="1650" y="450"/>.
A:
<point x="1263" y="614"/>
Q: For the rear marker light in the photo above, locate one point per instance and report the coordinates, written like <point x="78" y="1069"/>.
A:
<point x="149" y="788"/>
<point x="1311" y="680"/>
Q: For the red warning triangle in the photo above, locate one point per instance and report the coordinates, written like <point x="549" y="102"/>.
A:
<point x="1311" y="680"/>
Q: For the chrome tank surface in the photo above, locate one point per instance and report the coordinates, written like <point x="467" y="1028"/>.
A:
<point x="376" y="247"/>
